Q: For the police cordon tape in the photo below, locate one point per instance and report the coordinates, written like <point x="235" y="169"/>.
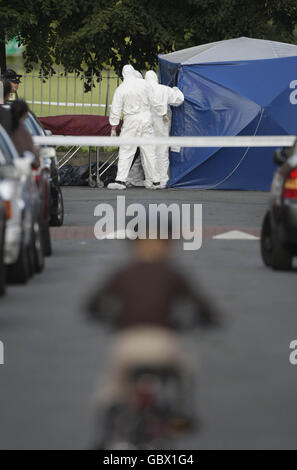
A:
<point x="174" y="142"/>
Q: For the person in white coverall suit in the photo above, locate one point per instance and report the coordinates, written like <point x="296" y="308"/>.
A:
<point x="161" y="98"/>
<point x="131" y="99"/>
<point x="136" y="175"/>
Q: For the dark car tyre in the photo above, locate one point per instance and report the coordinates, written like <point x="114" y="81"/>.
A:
<point x="2" y="269"/>
<point x="30" y="251"/>
<point x="281" y="255"/>
<point x="46" y="241"/>
<point x="19" y="273"/>
<point x="38" y="256"/>
<point x="266" y="240"/>
<point x="31" y="254"/>
<point x="273" y="252"/>
<point x="58" y="218"/>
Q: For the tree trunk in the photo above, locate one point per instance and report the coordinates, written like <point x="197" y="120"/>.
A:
<point x="2" y="53"/>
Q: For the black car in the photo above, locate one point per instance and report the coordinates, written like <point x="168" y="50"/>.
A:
<point x="279" y="228"/>
<point x="2" y="235"/>
<point x="48" y="154"/>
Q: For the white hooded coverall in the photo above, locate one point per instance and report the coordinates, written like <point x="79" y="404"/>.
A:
<point x="131" y="99"/>
<point x="161" y="97"/>
<point x="136" y="174"/>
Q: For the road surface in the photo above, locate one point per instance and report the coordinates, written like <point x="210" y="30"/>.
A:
<point x="55" y="358"/>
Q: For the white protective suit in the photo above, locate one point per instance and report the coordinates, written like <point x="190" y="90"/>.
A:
<point x="131" y="99"/>
<point x="136" y="175"/>
<point x="161" y="97"/>
<point x="138" y="75"/>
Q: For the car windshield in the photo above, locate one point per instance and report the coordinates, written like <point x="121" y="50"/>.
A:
<point x="33" y="125"/>
<point x="3" y="159"/>
<point x="7" y="146"/>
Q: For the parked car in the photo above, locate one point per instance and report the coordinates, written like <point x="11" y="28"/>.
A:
<point x="42" y="180"/>
<point x="2" y="239"/>
<point x="279" y="228"/>
<point x="49" y="158"/>
<point x="23" y="253"/>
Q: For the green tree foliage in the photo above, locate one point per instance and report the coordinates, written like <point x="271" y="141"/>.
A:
<point x="30" y="21"/>
<point x="87" y="34"/>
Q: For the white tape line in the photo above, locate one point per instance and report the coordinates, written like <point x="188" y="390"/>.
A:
<point x="237" y="141"/>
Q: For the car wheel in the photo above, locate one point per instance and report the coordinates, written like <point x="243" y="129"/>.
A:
<point x="281" y="256"/>
<point x="46" y="241"/>
<point x="38" y="255"/>
<point x="30" y="254"/>
<point x="58" y="219"/>
<point x="30" y="251"/>
<point x="18" y="273"/>
<point x="266" y="240"/>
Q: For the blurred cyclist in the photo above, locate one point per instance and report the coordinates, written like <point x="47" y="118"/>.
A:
<point x="146" y="291"/>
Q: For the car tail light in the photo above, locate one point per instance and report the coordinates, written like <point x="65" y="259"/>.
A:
<point x="290" y="186"/>
<point x="36" y="176"/>
<point x="8" y="209"/>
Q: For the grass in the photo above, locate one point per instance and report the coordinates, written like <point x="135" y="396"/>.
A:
<point x="61" y="91"/>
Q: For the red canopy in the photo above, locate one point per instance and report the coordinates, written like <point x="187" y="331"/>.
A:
<point x="78" y="124"/>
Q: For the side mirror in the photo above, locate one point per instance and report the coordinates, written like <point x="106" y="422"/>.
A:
<point x="47" y="152"/>
<point x="280" y="157"/>
<point x="48" y="132"/>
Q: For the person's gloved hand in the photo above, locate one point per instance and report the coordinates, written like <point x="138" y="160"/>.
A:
<point x="166" y="119"/>
<point x="113" y="132"/>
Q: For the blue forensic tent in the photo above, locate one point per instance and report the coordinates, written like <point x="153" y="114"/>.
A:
<point x="235" y="87"/>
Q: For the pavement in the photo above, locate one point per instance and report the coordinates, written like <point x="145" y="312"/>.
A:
<point x="55" y="358"/>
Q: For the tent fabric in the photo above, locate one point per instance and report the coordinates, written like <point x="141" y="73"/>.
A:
<point x="232" y="50"/>
<point x="78" y="125"/>
<point x="234" y="87"/>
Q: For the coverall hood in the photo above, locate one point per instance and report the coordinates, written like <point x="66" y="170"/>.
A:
<point x="138" y="75"/>
<point x="151" y="76"/>
<point x="128" y="72"/>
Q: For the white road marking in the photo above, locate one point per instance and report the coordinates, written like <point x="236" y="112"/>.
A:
<point x="232" y="235"/>
<point x="235" y="235"/>
<point x="117" y="235"/>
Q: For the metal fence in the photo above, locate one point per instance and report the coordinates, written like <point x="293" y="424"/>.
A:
<point x="64" y="93"/>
